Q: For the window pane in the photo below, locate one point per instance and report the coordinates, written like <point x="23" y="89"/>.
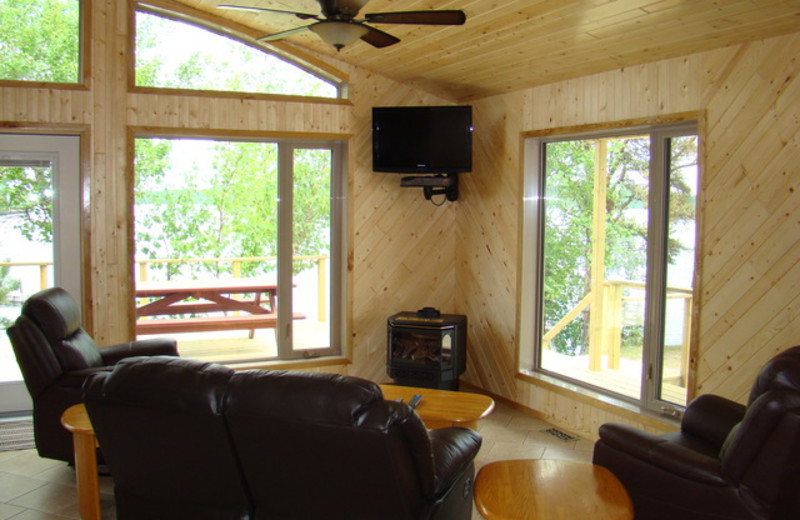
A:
<point x="206" y="211"/>
<point x="40" y="40"/>
<point x="211" y="240"/>
<point x="680" y="267"/>
<point x="26" y="218"/>
<point x="173" y="54"/>
<point x="595" y="258"/>
<point x="312" y="248"/>
<point x="39" y="235"/>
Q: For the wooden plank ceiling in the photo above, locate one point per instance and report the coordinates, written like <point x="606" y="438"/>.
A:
<point x="510" y="45"/>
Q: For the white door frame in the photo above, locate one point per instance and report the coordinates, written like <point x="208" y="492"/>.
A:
<point x="64" y="153"/>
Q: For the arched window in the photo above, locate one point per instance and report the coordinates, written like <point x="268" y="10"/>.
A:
<point x="171" y="53"/>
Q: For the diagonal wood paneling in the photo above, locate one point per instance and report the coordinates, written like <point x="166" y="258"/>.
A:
<point x="749" y="276"/>
<point x="405" y="253"/>
<point x="402" y="247"/>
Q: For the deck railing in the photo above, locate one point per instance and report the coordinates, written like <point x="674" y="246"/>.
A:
<point x="605" y="328"/>
<point x="143" y="270"/>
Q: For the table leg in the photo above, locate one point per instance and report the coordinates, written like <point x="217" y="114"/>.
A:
<point x="86" y="474"/>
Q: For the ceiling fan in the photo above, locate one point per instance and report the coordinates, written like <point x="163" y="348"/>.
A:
<point x="338" y="26"/>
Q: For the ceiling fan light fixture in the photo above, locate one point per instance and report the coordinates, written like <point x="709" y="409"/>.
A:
<point x="337" y="33"/>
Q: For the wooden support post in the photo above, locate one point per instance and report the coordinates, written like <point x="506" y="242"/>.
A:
<point x="598" y="270"/>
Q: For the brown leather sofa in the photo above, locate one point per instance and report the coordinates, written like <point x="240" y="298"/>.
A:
<point x="728" y="461"/>
<point x="186" y="439"/>
<point x="56" y="355"/>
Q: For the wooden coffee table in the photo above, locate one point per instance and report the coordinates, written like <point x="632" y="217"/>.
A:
<point x="550" y="490"/>
<point x="441" y="408"/>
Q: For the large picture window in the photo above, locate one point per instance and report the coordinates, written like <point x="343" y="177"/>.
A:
<point x="238" y="246"/>
<point x="610" y="258"/>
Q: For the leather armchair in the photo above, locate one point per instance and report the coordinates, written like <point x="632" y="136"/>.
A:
<point x="160" y="424"/>
<point x="728" y="461"/>
<point x="56" y="355"/>
<point x="186" y="439"/>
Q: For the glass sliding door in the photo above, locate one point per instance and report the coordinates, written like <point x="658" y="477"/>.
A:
<point x="671" y="353"/>
<point x="213" y="216"/>
<point x="315" y="226"/>
<point x="616" y="255"/>
<point x="40" y="242"/>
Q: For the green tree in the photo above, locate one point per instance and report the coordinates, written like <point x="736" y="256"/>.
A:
<point x="221" y="63"/>
<point x="569" y="204"/>
<point x="28" y="191"/>
<point x="231" y="209"/>
<point x="40" y="40"/>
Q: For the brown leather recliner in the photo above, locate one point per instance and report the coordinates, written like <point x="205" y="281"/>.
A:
<point x="288" y="445"/>
<point x="160" y="424"/>
<point x="56" y="355"/>
<point x="728" y="461"/>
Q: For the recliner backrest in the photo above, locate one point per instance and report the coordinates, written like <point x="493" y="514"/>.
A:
<point x="159" y="421"/>
<point x="58" y="317"/>
<point x="328" y="446"/>
<point x="782" y="371"/>
<point x="36" y="359"/>
<point x="762" y="452"/>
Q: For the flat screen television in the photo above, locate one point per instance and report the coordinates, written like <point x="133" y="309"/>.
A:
<point x="435" y="139"/>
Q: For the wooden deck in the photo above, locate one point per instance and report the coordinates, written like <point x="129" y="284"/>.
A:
<point x="236" y="346"/>
<point x="229" y="346"/>
<point x="625" y="381"/>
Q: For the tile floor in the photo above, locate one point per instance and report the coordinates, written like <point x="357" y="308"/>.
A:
<point x="32" y="488"/>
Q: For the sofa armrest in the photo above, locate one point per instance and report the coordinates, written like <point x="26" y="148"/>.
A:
<point x="76" y="378"/>
<point x="453" y="451"/>
<point x="711" y="418"/>
<point x="147" y="347"/>
<point x="669" y="456"/>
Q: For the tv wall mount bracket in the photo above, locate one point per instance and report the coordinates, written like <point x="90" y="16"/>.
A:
<point x="444" y="184"/>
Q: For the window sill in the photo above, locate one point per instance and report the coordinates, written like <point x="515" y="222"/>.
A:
<point x="602" y="401"/>
<point x="293" y="364"/>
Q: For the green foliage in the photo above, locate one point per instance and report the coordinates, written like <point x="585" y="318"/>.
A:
<point x="173" y="54"/>
<point x="568" y="217"/>
<point x="7" y="285"/>
<point x="40" y="40"/>
<point x="225" y="204"/>
<point x="312" y="204"/>
<point x="28" y="192"/>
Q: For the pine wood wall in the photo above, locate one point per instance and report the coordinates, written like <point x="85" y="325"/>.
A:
<point x="400" y="247"/>
<point x="405" y="253"/>
<point x="748" y="100"/>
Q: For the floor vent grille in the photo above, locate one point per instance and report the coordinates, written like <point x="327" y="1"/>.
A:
<point x="561" y="435"/>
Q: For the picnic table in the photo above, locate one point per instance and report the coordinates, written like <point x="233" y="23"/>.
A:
<point x="204" y="300"/>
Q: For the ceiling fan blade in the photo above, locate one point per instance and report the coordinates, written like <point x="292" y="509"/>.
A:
<point x="449" y="17"/>
<point x="302" y="16"/>
<point x="283" y="34"/>
<point x="378" y="38"/>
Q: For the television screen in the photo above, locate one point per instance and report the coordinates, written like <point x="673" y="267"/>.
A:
<point x="422" y="139"/>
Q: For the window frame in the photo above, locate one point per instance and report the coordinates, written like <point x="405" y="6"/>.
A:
<point x="531" y="254"/>
<point x="338" y="240"/>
